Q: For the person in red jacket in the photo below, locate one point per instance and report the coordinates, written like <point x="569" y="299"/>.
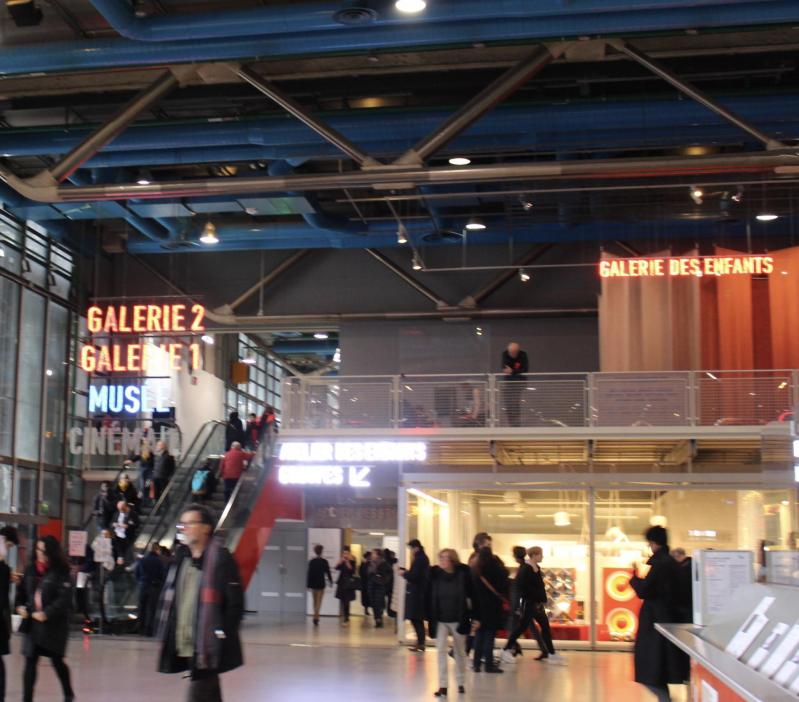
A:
<point x="233" y="464"/>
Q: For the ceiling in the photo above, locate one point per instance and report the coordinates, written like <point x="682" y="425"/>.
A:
<point x="386" y="81"/>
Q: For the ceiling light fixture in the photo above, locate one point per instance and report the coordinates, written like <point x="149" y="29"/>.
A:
<point x="739" y="195"/>
<point x="207" y="339"/>
<point x="416" y="264"/>
<point x="402" y="234"/>
<point x="142" y="181"/>
<point x="321" y="336"/>
<point x="526" y="203"/>
<point x="209" y="234"/>
<point x="250" y="360"/>
<point x="766" y="217"/>
<point x="475" y="224"/>
<point x="562" y="519"/>
<point x="410" y="6"/>
<point x="524" y="276"/>
<point x="696" y="194"/>
<point x="424" y="496"/>
<point x="459" y="161"/>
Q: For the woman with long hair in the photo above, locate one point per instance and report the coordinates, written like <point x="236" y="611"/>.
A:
<point x="346" y="585"/>
<point x="43" y="601"/>
<point x="449" y="595"/>
<point x="490" y="579"/>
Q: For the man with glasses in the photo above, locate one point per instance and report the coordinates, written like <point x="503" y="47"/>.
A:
<point x="202" y="607"/>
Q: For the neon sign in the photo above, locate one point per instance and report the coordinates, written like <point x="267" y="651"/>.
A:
<point x="132" y="399"/>
<point x="142" y="358"/>
<point x="325" y="475"/>
<point x="354" y="451"/>
<point x="686" y="266"/>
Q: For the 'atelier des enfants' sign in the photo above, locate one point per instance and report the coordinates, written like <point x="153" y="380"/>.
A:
<point x="145" y="357"/>
<point x="686" y="266"/>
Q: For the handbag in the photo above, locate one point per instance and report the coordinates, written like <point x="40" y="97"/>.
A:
<point x="353" y="584"/>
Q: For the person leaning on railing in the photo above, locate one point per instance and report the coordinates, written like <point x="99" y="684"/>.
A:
<point x="514" y="366"/>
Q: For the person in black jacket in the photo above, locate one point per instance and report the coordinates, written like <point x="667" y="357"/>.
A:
<point x="8" y="537"/>
<point x="43" y="601"/>
<point x="150" y="574"/>
<point x="491" y="595"/>
<point x="657" y="661"/>
<point x="529" y="593"/>
<point x="103" y="507"/>
<point x="163" y="468"/>
<point x="363" y="574"/>
<point x="378" y="575"/>
<point x="318" y="572"/>
<point x="391" y="559"/>
<point x="416" y="579"/>
<point x="202" y="605"/>
<point x="234" y="431"/>
<point x="684" y="596"/>
<point x="449" y="594"/>
<point x="514" y="366"/>
<point x="346" y="585"/>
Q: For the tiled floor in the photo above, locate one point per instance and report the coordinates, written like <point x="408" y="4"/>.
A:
<point x="291" y="661"/>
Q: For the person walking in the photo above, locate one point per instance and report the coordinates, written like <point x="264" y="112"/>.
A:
<point x="318" y="573"/>
<point x="124" y="491"/>
<point x="415" y="590"/>
<point x="514" y="367"/>
<point x="378" y="575"/>
<point x="234" y="431"/>
<point x="8" y="538"/>
<point x="491" y="596"/>
<point x="43" y="601"/>
<point x="363" y="574"/>
<point x="163" y="469"/>
<point x="391" y="559"/>
<point x="150" y="574"/>
<point x="232" y="467"/>
<point x="202" y="605"/>
<point x="449" y="596"/>
<point x="103" y="507"/>
<point x="657" y="663"/>
<point x="346" y="585"/>
<point x="124" y="526"/>
<point x="252" y="432"/>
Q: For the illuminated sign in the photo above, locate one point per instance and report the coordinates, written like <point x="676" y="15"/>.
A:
<point x="354" y="451"/>
<point x="326" y="475"/>
<point x="142" y="358"/>
<point x="686" y="266"/>
<point x="132" y="399"/>
<point x="116" y="441"/>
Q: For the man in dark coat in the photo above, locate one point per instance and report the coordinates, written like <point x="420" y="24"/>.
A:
<point x="150" y="573"/>
<point x="8" y="537"/>
<point x="201" y="609"/>
<point x="657" y="662"/>
<point x="163" y="468"/>
<point x="514" y="367"/>
<point x="234" y="431"/>
<point x="415" y="589"/>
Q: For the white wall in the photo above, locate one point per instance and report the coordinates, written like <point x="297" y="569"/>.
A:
<point x="196" y="403"/>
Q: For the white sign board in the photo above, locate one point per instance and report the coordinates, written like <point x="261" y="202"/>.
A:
<point x="782" y="567"/>
<point x="77" y="544"/>
<point x="716" y="576"/>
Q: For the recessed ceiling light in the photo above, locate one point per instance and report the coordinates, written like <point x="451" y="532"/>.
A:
<point x="459" y="161"/>
<point x="524" y="276"/>
<point x="475" y="224"/>
<point x="410" y="6"/>
<point x="142" y="181"/>
<point x="767" y="217"/>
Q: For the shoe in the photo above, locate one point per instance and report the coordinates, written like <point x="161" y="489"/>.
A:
<point x="494" y="669"/>
<point x="557" y="659"/>
<point x="441" y="692"/>
<point x="542" y="657"/>
<point x="378" y="624"/>
<point x="476" y="668"/>
<point x="316" y="622"/>
<point x="451" y="653"/>
<point x="518" y="651"/>
<point x="506" y="657"/>
<point x="461" y="689"/>
<point x="416" y="649"/>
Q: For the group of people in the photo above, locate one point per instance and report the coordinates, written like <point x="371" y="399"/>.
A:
<point x="251" y="434"/>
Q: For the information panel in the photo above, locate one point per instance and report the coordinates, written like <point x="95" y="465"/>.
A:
<point x="716" y="576"/>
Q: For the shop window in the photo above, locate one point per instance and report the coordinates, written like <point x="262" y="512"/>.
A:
<point x="25" y="491"/>
<point x="9" y="307"/>
<point x="52" y="493"/>
<point x="55" y="378"/>
<point x="31" y="375"/>
<point x="5" y="488"/>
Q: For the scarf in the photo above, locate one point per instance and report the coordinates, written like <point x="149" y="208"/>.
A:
<point x="41" y="571"/>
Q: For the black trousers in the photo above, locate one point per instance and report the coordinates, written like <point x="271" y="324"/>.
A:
<point x="418" y="627"/>
<point x="344" y="609"/>
<point x="2" y="680"/>
<point x="29" y="677"/>
<point x="204" y="687"/>
<point x="540" y="617"/>
<point x="148" y="602"/>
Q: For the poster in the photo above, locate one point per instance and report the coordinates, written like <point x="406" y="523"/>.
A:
<point x="620" y="606"/>
<point x="77" y="544"/>
<point x="717" y="575"/>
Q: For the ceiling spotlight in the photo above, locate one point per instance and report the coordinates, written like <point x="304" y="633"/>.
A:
<point x="402" y="234"/>
<point x="524" y="276"/>
<point x="475" y="224"/>
<point x="526" y="203"/>
<point x="739" y="195"/>
<point x="145" y="177"/>
<point x="209" y="233"/>
<point x="207" y="339"/>
<point x="250" y="360"/>
<point x="416" y="264"/>
<point x="696" y="195"/>
<point x="142" y="181"/>
<point x="410" y="6"/>
<point x="321" y="336"/>
<point x="766" y="217"/>
<point x="459" y="161"/>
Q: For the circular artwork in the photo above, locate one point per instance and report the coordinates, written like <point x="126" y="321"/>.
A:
<point x="621" y="622"/>
<point x="618" y="587"/>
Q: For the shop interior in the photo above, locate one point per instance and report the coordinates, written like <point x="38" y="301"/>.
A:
<point x="560" y="522"/>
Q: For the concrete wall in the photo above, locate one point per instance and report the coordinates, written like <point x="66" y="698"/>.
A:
<point x="197" y="401"/>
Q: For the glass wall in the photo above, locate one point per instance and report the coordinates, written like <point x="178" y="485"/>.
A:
<point x="30" y="375"/>
<point x="9" y="312"/>
<point x="559" y="521"/>
<point x="263" y="386"/>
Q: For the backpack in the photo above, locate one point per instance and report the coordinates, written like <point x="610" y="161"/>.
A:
<point x="199" y="481"/>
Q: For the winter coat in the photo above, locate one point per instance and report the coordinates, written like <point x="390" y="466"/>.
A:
<point x="222" y="594"/>
<point x="463" y="578"/>
<point x="234" y="431"/>
<point x="379" y="575"/>
<point x="657" y="662"/>
<point x="56" y="595"/>
<point x="5" y="608"/>
<point x="233" y="463"/>
<point x="489" y="602"/>
<point x="163" y="466"/>
<point x="344" y="585"/>
<point x="103" y="509"/>
<point x="416" y="588"/>
<point x="684" y="599"/>
<point x="149" y="571"/>
<point x="363" y="574"/>
<point x="318" y="572"/>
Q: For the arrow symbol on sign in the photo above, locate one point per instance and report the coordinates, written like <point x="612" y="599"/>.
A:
<point x="358" y="477"/>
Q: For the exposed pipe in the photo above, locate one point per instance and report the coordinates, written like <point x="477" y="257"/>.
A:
<point x="482" y="25"/>
<point x="414" y="177"/>
<point x="294" y="108"/>
<point x="407" y="278"/>
<point x="695" y="93"/>
<point x="106" y="133"/>
<point x="270" y="278"/>
<point x="507" y="84"/>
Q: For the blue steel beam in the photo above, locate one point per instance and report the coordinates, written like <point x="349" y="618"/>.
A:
<point x="621" y="20"/>
<point x="538" y="126"/>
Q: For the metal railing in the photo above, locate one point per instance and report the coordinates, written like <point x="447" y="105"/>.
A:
<point x="672" y="399"/>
